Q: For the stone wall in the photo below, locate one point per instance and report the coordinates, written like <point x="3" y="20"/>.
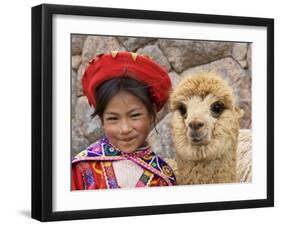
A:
<point x="181" y="58"/>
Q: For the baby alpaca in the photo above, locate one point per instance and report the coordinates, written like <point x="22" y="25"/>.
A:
<point x="205" y="130"/>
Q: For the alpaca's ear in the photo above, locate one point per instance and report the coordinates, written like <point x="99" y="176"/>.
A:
<point x="240" y="112"/>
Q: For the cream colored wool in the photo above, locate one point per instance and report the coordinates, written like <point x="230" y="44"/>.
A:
<point x="215" y="160"/>
<point x="244" y="156"/>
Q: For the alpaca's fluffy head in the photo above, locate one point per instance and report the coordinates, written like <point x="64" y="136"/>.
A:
<point x="205" y="118"/>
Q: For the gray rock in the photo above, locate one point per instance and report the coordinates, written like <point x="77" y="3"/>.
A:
<point x="76" y="61"/>
<point x="78" y="140"/>
<point x="243" y="63"/>
<point x="90" y="127"/>
<point x="162" y="141"/>
<point x="77" y="42"/>
<point x="184" y="54"/>
<point x="95" y="45"/>
<point x="175" y="78"/>
<point x="73" y="92"/>
<point x="132" y="44"/>
<point x="80" y="73"/>
<point x="156" y="54"/>
<point x="245" y="88"/>
<point x="239" y="53"/>
<point x="246" y="120"/>
<point x="162" y="113"/>
<point x="249" y="59"/>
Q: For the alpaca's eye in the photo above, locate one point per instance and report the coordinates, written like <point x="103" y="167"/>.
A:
<point x="217" y="108"/>
<point x="182" y="109"/>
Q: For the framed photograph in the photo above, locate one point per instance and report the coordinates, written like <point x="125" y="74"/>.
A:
<point x="211" y="143"/>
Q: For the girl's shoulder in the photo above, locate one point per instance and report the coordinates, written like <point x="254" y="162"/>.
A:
<point x="92" y="151"/>
<point x="101" y="150"/>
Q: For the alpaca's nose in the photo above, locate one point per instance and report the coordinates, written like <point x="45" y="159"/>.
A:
<point x="196" y="124"/>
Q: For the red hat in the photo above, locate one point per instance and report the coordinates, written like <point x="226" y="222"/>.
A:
<point x="117" y="64"/>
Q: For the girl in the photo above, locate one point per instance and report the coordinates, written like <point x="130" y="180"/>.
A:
<point x="126" y="90"/>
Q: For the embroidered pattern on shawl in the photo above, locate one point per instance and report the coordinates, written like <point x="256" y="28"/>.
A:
<point x="103" y="151"/>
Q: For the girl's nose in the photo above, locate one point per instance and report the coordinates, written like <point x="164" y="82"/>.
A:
<point x="125" y="127"/>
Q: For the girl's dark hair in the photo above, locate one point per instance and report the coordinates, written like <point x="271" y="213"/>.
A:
<point x="107" y="90"/>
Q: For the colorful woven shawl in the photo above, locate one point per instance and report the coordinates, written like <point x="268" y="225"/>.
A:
<point x="103" y="150"/>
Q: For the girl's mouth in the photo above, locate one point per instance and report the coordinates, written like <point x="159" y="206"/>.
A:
<point x="128" y="139"/>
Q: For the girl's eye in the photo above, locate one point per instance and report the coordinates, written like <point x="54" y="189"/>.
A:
<point x="136" y="115"/>
<point x="111" y="119"/>
<point x="217" y="108"/>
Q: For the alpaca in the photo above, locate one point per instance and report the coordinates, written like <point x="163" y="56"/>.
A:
<point x="205" y="129"/>
<point x="244" y="156"/>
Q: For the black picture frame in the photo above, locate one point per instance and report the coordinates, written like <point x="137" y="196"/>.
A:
<point x="42" y="108"/>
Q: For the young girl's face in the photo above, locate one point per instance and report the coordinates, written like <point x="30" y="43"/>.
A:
<point x="126" y="122"/>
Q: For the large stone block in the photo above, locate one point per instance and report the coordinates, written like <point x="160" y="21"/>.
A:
<point x="184" y="54"/>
